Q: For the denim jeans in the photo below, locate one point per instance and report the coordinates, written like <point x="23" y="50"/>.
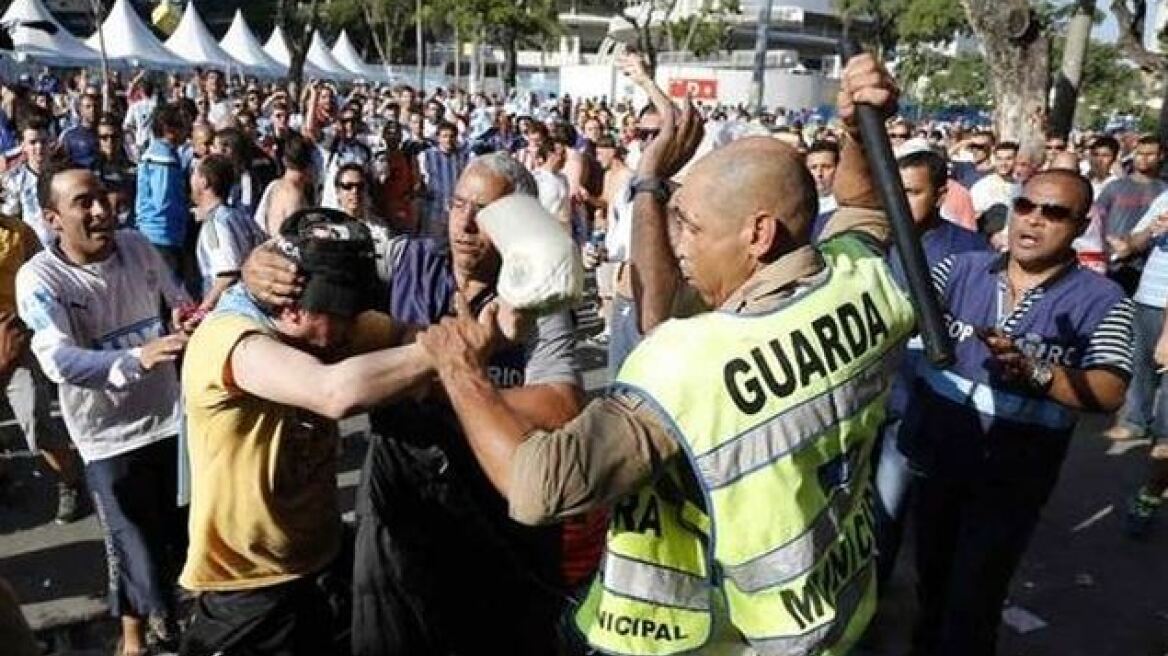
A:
<point x="893" y="477"/>
<point x="1146" y="407"/>
<point x="623" y="333"/>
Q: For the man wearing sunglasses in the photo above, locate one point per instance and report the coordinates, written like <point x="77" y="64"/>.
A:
<point x="345" y="143"/>
<point x="1038" y="340"/>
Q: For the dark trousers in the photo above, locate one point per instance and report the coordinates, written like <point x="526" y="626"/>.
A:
<point x="970" y="536"/>
<point x="145" y="536"/>
<point x="434" y="572"/>
<point x="290" y="619"/>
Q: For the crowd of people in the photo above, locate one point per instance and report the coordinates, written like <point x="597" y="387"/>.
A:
<point x="212" y="273"/>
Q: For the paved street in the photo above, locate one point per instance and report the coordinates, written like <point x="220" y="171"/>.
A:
<point x="1090" y="591"/>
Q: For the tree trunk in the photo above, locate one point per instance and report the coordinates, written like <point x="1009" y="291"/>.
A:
<point x="475" y="82"/>
<point x="510" y="58"/>
<point x="457" y="55"/>
<point x="1066" y="97"/>
<point x="374" y="35"/>
<point x="298" y="42"/>
<point x="1019" y="66"/>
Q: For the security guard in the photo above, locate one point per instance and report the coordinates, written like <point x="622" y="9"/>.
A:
<point x="734" y="445"/>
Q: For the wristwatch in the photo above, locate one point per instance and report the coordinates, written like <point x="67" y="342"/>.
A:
<point x="654" y="186"/>
<point x="1041" y="375"/>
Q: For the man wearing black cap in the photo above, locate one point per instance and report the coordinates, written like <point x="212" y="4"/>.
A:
<point x="264" y="390"/>
<point x="440" y="568"/>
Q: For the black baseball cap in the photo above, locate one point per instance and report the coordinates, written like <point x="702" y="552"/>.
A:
<point x="335" y="253"/>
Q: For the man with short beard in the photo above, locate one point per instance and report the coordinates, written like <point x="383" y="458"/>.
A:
<point x="1120" y="207"/>
<point x="79" y="142"/>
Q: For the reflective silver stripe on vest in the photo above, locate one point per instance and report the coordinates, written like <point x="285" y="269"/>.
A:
<point x="799" y="554"/>
<point x="794" y="429"/>
<point x="655" y="584"/>
<point x="814" y="641"/>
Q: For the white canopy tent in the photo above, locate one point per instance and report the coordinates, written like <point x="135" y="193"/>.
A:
<point x="60" y="49"/>
<point x="245" y="48"/>
<point x="192" y="41"/>
<point x="347" y="56"/>
<point x="277" y="49"/>
<point x="129" y="41"/>
<point x="319" y="55"/>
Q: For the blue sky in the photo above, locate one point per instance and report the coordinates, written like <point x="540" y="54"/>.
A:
<point x="1108" y="30"/>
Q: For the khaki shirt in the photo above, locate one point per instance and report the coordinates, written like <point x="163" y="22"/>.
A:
<point x="616" y="445"/>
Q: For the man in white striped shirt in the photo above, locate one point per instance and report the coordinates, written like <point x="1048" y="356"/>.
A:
<point x="1145" y="410"/>
<point x="441" y="167"/>
<point x="92" y="299"/>
<point x="226" y="235"/>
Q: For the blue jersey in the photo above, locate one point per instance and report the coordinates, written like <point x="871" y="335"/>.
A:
<point x="161" y="205"/>
<point x="80" y="145"/>
<point x="966" y="418"/>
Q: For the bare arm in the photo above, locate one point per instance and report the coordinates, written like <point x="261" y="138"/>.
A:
<point x="545" y="406"/>
<point x="267" y="368"/>
<point x="1092" y="390"/>
<point x="656" y="278"/>
<point x="493" y="428"/>
<point x="217" y="288"/>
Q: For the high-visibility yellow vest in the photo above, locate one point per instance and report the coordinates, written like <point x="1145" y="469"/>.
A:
<point x="776" y="414"/>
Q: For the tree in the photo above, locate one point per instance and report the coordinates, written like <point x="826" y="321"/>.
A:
<point x="1132" y="17"/>
<point x="1017" y="51"/>
<point x="382" y="22"/>
<point x="509" y="24"/>
<point x="297" y="18"/>
<point x="1015" y="43"/>
<point x="657" y="27"/>
<point x="1109" y="84"/>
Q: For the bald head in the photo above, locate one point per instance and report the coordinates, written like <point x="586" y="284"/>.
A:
<point x="1080" y="187"/>
<point x="753" y="175"/>
<point x="1065" y="160"/>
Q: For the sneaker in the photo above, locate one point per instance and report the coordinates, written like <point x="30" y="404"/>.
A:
<point x="1122" y="433"/>
<point x="1141" y="511"/>
<point x="161" y="634"/>
<point x="68" y="504"/>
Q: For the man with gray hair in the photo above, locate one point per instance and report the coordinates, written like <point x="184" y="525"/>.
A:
<point x="440" y="567"/>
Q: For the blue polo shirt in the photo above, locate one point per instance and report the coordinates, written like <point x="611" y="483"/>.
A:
<point x="965" y="421"/>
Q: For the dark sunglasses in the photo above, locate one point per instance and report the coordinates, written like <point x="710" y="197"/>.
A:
<point x="351" y="186"/>
<point x="107" y="137"/>
<point x="348" y="120"/>
<point x="644" y="133"/>
<point x="898" y="135"/>
<point x="1050" y="211"/>
<point x="977" y="146"/>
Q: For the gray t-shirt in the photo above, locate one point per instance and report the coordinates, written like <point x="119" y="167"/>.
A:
<point x="1123" y="202"/>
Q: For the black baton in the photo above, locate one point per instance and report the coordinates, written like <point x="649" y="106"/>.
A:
<point x="882" y="163"/>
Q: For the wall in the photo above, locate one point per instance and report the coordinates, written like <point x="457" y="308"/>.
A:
<point x="781" y="89"/>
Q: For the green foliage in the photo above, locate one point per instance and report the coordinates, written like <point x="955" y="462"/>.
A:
<point x="705" y="32"/>
<point x="1108" y="85"/>
<point x="944" y="81"/>
<point x="892" y="22"/>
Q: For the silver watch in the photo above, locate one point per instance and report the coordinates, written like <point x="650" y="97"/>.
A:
<point x="1041" y="375"/>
